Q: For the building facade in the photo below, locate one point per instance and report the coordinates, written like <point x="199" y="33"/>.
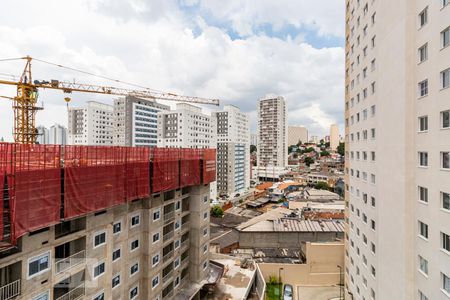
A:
<point x="57" y="135"/>
<point x="397" y="87"/>
<point x="91" y="125"/>
<point x="334" y="136"/>
<point x="272" y="137"/>
<point x="297" y="134"/>
<point x="43" y="135"/>
<point x="233" y="151"/>
<point x="135" y="121"/>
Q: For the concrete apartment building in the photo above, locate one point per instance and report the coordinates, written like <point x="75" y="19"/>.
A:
<point x="91" y="124"/>
<point x="397" y="133"/>
<point x="135" y="121"/>
<point x="296" y="134"/>
<point x="253" y="139"/>
<point x="57" y="135"/>
<point x="334" y="136"/>
<point x="186" y="127"/>
<point x="43" y="135"/>
<point x="272" y="138"/>
<point x="233" y="151"/>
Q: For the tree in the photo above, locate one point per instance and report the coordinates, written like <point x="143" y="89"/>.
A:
<point x="295" y="155"/>
<point x="310" y="149"/>
<point x="324" y="153"/>
<point x="341" y="149"/>
<point x="291" y="148"/>
<point x="252" y="148"/>
<point x="217" y="211"/>
<point x="308" y="161"/>
<point x="322" y="185"/>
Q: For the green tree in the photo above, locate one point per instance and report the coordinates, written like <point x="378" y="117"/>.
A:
<point x="308" y="161"/>
<point x="217" y="211"/>
<point x="324" y="153"/>
<point x="252" y="148"/>
<point x="310" y="149"/>
<point x="341" y="149"/>
<point x="322" y="185"/>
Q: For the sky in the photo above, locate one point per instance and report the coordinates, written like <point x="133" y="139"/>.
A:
<point x="236" y="51"/>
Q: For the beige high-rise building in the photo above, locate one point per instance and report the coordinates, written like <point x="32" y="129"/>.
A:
<point x="297" y="134"/>
<point x="334" y="136"/>
<point x="397" y="136"/>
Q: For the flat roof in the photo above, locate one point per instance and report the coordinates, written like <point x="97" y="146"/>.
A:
<point x="287" y="224"/>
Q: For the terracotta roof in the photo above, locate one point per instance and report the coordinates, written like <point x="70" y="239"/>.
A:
<point x="264" y="186"/>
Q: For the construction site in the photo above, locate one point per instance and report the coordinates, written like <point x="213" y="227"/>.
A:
<point x="101" y="222"/>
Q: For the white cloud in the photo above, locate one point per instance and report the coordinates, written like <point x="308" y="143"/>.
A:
<point x="168" y="52"/>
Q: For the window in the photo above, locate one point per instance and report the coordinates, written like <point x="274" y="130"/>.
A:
<point x="445" y="78"/>
<point x="205" y="215"/>
<point x="134" y="269"/>
<point x="155" y="260"/>
<point x="38" y="264"/>
<point x="372" y="155"/>
<point x="205" y="199"/>
<point x="446" y="283"/>
<point x="445" y="2"/>
<point x="99" y="269"/>
<point x="134" y="245"/>
<point x="445" y="241"/>
<point x="423" y="194"/>
<point x="205" y="248"/>
<point x="423" y="88"/>
<point x="423" y="17"/>
<point x="155" y="281"/>
<point x="423" y="159"/>
<point x="155" y="237"/>
<point x="135" y="220"/>
<point x="99" y="296"/>
<point x="134" y="292"/>
<point x="99" y="239"/>
<point x="43" y="296"/>
<point x="423" y="230"/>
<point x="156" y="214"/>
<point x="177" y="281"/>
<point x="372" y="133"/>
<point x="445" y="37"/>
<point x="177" y="244"/>
<point x="205" y="231"/>
<point x="205" y="265"/>
<point x="176" y="263"/>
<point x="423" y="53"/>
<point x="116" y="254"/>
<point x="422" y="296"/>
<point x="423" y="123"/>
<point x="445" y="201"/>
<point x="178" y="205"/>
<point x="423" y="265"/>
<point x="177" y="224"/>
<point x="115" y="281"/>
<point x="445" y="160"/>
<point x="373" y="271"/>
<point x="373" y="18"/>
<point x="117" y="227"/>
<point x="445" y="119"/>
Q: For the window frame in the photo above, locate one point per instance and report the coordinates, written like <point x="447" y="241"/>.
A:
<point x="101" y="262"/>
<point x="98" y="233"/>
<point x="138" y="215"/>
<point x="37" y="258"/>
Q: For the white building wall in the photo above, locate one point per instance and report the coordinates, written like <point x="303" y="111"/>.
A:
<point x="296" y="134"/>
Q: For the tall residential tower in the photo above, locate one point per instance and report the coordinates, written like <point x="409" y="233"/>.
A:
<point x="397" y="135"/>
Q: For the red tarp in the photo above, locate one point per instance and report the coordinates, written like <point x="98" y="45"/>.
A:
<point x="189" y="167"/>
<point x="3" y="155"/>
<point x="137" y="179"/>
<point x="94" y="179"/>
<point x="165" y="175"/>
<point x="34" y="187"/>
<point x="209" y="165"/>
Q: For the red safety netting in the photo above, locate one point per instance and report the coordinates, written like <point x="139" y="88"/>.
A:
<point x="34" y="180"/>
<point x="209" y="165"/>
<point x="166" y="171"/>
<point x="189" y="167"/>
<point x="3" y="163"/>
<point x="94" y="178"/>
<point x="137" y="172"/>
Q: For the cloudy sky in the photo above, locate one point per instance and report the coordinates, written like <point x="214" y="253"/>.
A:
<point x="234" y="50"/>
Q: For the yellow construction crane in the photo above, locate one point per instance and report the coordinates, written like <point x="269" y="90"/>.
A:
<point x="25" y="103"/>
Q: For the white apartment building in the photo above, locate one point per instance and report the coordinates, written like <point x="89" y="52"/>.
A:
<point x="297" y="134"/>
<point x="397" y="132"/>
<point x="253" y="139"/>
<point x="135" y="121"/>
<point x="57" y="135"/>
<point x="186" y="127"/>
<point x="233" y="151"/>
<point x="43" y="135"/>
<point x="272" y="137"/>
<point x="91" y="124"/>
<point x="334" y="136"/>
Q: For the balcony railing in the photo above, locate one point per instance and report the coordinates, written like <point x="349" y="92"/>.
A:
<point x="10" y="290"/>
<point x="167" y="256"/>
<point x="74" y="294"/>
<point x="168" y="236"/>
<point x="167" y="275"/>
<point x="169" y="216"/>
<point x="184" y="244"/>
<point x="168" y="295"/>
<point x="71" y="261"/>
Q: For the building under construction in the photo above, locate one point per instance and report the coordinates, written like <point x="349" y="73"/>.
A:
<point x="88" y="222"/>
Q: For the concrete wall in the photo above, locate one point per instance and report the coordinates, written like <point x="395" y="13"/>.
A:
<point x="284" y="239"/>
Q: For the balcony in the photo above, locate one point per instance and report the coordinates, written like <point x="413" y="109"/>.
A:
<point x="70" y="262"/>
<point x="74" y="294"/>
<point x="168" y="217"/>
<point x="10" y="290"/>
<point x="167" y="236"/>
